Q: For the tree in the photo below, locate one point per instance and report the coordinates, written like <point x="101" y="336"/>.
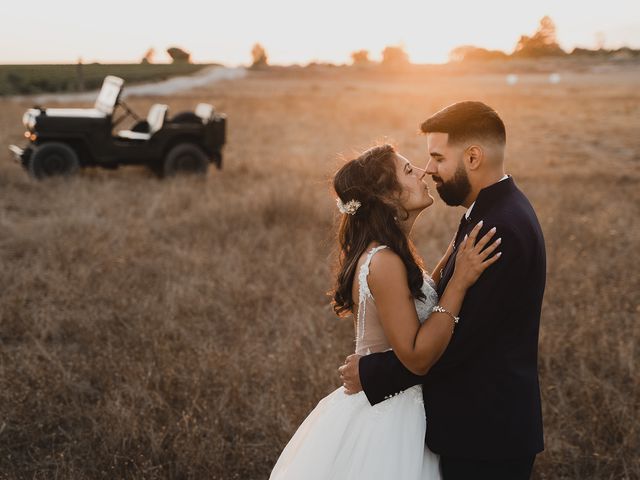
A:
<point x="469" y="52"/>
<point x="543" y="43"/>
<point x="178" y="55"/>
<point x="360" y="58"/>
<point x="394" y="57"/>
<point x="148" y="56"/>
<point x="259" y="55"/>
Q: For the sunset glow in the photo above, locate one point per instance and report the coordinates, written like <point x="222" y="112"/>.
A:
<point x="297" y="31"/>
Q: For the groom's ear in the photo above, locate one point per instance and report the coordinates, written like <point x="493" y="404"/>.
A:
<point x="474" y="156"/>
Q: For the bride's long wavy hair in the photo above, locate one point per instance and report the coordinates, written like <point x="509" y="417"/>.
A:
<point x="371" y="179"/>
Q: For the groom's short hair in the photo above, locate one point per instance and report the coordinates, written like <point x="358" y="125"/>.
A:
<point x="465" y="121"/>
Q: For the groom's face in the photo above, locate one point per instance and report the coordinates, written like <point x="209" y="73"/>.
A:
<point x="446" y="167"/>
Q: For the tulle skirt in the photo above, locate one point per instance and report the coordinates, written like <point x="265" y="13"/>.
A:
<point x="345" y="437"/>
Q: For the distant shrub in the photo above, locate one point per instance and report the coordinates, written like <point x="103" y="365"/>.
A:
<point x="394" y="57"/>
<point x="259" y="56"/>
<point x="148" y="56"/>
<point x="360" y="58"/>
<point x="178" y="55"/>
<point x="543" y="43"/>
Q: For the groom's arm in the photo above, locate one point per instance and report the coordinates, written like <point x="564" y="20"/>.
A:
<point x="382" y="375"/>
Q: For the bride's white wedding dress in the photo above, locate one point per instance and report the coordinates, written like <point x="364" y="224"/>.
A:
<point x="345" y="437"/>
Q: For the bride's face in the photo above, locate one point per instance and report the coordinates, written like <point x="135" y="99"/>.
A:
<point x="415" y="192"/>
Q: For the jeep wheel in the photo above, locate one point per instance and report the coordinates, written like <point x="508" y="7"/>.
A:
<point x="52" y="159"/>
<point x="185" y="158"/>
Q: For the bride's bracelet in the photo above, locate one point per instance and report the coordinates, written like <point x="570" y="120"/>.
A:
<point x="440" y="309"/>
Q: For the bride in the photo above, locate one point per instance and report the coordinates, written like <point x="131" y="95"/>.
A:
<point x="380" y="281"/>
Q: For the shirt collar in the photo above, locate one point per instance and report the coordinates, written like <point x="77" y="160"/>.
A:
<point x="468" y="212"/>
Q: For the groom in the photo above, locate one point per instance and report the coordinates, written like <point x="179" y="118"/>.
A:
<point x="482" y="399"/>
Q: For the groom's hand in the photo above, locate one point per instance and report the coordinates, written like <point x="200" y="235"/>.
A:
<point x="350" y="374"/>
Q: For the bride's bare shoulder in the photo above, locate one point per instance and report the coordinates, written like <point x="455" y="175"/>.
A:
<point x="386" y="268"/>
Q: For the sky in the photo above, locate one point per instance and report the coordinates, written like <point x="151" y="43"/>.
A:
<point x="297" y="31"/>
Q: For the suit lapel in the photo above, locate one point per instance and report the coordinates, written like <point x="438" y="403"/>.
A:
<point x="487" y="198"/>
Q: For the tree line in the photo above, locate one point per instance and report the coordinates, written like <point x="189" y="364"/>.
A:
<point x="543" y="43"/>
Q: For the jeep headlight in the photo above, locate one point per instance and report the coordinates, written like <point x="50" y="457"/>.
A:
<point x="29" y="118"/>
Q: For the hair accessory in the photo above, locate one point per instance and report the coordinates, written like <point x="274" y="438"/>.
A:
<point x="351" y="207"/>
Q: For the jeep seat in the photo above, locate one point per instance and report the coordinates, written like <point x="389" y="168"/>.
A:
<point x="204" y="111"/>
<point x="155" y="119"/>
<point x="104" y="106"/>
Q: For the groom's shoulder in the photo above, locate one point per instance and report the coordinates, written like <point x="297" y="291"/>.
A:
<point x="516" y="220"/>
<point x="513" y="215"/>
<point x="514" y="209"/>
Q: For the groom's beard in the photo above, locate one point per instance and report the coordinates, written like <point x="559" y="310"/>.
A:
<point x="455" y="190"/>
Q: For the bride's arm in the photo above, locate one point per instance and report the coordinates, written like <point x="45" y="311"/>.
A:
<point x="435" y="275"/>
<point x="419" y="347"/>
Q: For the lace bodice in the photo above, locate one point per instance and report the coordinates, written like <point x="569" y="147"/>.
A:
<point x="370" y="337"/>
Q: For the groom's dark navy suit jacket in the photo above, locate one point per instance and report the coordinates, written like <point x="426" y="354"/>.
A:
<point x="482" y="398"/>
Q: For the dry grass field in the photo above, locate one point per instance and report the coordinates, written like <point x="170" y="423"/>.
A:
<point x="181" y="329"/>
